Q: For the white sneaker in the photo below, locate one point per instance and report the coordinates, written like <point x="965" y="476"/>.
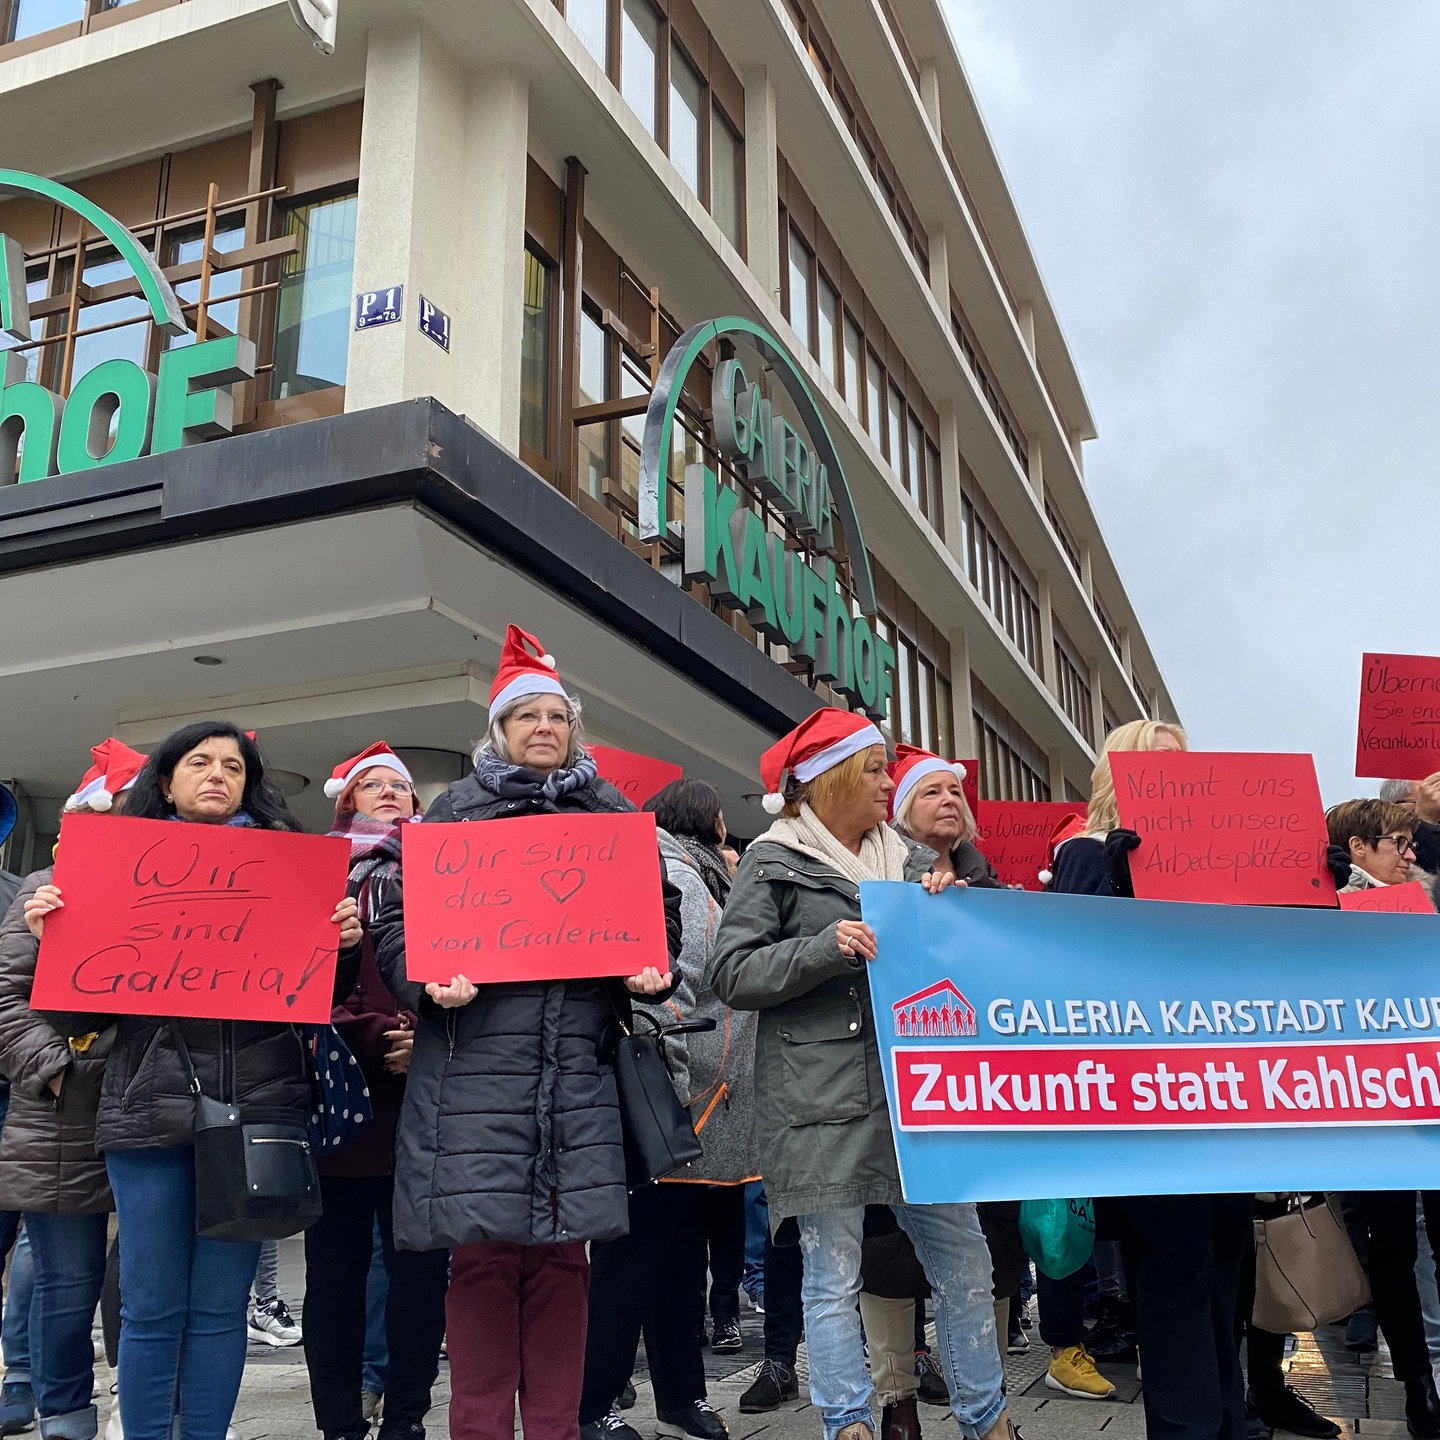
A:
<point x="273" y="1323"/>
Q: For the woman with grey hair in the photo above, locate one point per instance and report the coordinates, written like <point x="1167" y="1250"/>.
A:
<point x="509" y="1150"/>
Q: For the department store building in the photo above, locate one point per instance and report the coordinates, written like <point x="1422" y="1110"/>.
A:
<point x="699" y="337"/>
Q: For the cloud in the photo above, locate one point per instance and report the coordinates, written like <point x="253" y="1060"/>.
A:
<point x="1233" y="210"/>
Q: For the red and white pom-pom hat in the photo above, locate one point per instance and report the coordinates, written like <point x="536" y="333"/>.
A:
<point x="114" y="771"/>
<point x="817" y="744"/>
<point x="1066" y="829"/>
<point x="347" y="770"/>
<point x="912" y="765"/>
<point x="525" y="669"/>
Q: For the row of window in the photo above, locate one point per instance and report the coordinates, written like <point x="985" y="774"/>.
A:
<point x="1012" y="765"/>
<point x="1072" y="683"/>
<point x="20" y="19"/>
<point x="837" y="82"/>
<point x="672" y="94"/>
<point x="979" y="368"/>
<point x="1003" y="581"/>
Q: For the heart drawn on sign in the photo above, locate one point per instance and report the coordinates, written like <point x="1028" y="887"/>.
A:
<point x="562" y="884"/>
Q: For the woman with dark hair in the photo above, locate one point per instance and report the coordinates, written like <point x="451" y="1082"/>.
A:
<point x="183" y="1298"/>
<point x="654" y="1277"/>
<point x="509" y="1148"/>
<point x="374" y="796"/>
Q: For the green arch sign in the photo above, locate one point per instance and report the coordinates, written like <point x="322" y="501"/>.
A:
<point x="796" y="602"/>
<point x="117" y="410"/>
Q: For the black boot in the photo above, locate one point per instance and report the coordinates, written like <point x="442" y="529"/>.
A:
<point x="1286" y="1409"/>
<point x="1422" y="1408"/>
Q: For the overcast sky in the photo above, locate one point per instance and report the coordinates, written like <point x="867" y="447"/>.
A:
<point x="1234" y="206"/>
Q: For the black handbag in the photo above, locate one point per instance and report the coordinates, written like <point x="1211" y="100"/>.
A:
<point x="253" y="1180"/>
<point x="658" y="1132"/>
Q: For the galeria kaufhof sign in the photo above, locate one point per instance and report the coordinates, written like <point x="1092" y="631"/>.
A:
<point x="148" y="414"/>
<point x="795" y="600"/>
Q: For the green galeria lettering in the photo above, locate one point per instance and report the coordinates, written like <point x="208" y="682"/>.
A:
<point x="117" y="411"/>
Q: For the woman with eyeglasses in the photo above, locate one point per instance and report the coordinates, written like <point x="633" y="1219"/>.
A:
<point x="1372" y="844"/>
<point x="374" y="796"/>
<point x="509" y="1149"/>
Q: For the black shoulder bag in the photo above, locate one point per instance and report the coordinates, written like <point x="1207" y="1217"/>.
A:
<point x="252" y="1181"/>
<point x="659" y="1134"/>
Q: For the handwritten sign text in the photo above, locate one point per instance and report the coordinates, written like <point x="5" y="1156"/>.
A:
<point x="1014" y="834"/>
<point x="1399" y="732"/>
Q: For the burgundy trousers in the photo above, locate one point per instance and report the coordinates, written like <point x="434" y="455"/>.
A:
<point x="515" y="1324"/>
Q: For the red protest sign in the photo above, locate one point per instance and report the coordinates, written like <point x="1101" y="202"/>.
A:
<point x="546" y="897"/>
<point x="1224" y="829"/>
<point x="1399" y="731"/>
<point x="970" y="785"/>
<point x="636" y="777"/>
<point x="1407" y="899"/>
<point x="1014" y="835"/>
<point x="212" y="922"/>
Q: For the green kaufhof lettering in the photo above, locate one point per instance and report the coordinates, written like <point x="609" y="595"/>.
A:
<point x="792" y="601"/>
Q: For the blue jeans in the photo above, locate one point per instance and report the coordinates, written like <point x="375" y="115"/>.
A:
<point x="9" y="1219"/>
<point x="69" y="1255"/>
<point x="952" y="1250"/>
<point x="15" y="1330"/>
<point x="182" y="1301"/>
<point x="377" y="1294"/>
<point x="757" y="1226"/>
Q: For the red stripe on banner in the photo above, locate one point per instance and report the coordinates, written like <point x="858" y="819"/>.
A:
<point x="1143" y="1087"/>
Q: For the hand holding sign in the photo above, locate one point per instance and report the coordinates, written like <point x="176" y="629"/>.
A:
<point x="1224" y="829"/>
<point x="151" y="917"/>
<point x="548" y="897"/>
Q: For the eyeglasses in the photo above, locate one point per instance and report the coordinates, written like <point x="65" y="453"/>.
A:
<point x="379" y="787"/>
<point x="1402" y="843"/>
<point x="558" y="718"/>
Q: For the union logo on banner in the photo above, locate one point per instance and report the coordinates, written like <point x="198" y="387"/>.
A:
<point x="940" y="1009"/>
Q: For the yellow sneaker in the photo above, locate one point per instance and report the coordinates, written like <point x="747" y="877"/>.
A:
<point x="1073" y="1372"/>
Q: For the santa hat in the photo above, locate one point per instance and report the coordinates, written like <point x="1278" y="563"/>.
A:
<point x="815" y="745"/>
<point x="525" y="669"/>
<point x="114" y="771"/>
<point x="912" y="765"/>
<point x="1066" y="829"/>
<point x="347" y="770"/>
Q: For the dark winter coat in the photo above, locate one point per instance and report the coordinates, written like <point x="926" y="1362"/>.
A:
<point x="48" y="1161"/>
<point x="511" y="1128"/>
<point x="822" y="1123"/>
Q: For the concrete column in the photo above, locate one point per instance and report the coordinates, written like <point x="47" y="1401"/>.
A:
<point x="1097" y="709"/>
<point x="967" y="743"/>
<point x="1087" y="571"/>
<point x="930" y="95"/>
<point x="949" y="438"/>
<point x="1057" y="775"/>
<point x="1047" y="636"/>
<point x="1036" y="475"/>
<point x="442" y="212"/>
<point x="1026" y="320"/>
<point x="939" y="250"/>
<point x="762" y="181"/>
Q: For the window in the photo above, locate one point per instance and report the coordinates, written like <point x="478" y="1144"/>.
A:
<point x="594" y="387"/>
<point x="1072" y="683"/>
<point x="535" y="329"/>
<point x="725" y="176"/>
<point x="801" y="261"/>
<point x="587" y="20"/>
<point x="852" y="364"/>
<point x="896" y="433"/>
<point x="995" y="570"/>
<point x="312" y="322"/>
<point x="904" y="685"/>
<point x="934" y="507"/>
<point x="1012" y="765"/>
<point x="828" y="317"/>
<point x="944" y="724"/>
<point x="1063" y="535"/>
<point x="875" y="400"/>
<point x="687" y="107"/>
<point x="229" y="235"/>
<point x="126" y="341"/>
<point x="914" y="461"/>
<point x="34" y="17"/>
<point x="639" y="59"/>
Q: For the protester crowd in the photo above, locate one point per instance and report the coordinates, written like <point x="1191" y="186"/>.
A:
<point x="476" y="1192"/>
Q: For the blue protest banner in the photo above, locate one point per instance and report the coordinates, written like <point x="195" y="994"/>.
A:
<point x="1043" y="1045"/>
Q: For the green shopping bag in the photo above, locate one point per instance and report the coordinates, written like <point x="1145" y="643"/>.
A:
<point x="1058" y="1234"/>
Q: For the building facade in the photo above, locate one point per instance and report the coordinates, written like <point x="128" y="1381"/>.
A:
<point x="426" y="297"/>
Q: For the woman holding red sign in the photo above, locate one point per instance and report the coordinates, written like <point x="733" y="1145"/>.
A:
<point x="183" y="1298"/>
<point x="49" y="1167"/>
<point x="374" y="795"/>
<point x="509" y="1148"/>
<point x="792" y="945"/>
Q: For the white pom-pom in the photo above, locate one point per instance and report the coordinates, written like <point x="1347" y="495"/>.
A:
<point x="104" y="800"/>
<point x="548" y="661"/>
<point x="1046" y="876"/>
<point x="960" y="771"/>
<point x="773" y="804"/>
<point x="334" y="787"/>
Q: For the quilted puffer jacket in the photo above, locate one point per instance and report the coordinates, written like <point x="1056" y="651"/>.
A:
<point x="511" y="1127"/>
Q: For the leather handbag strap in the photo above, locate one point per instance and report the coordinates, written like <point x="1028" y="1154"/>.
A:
<point x="177" y="1037"/>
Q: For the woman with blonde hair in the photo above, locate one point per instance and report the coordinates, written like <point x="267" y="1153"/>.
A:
<point x="792" y="945"/>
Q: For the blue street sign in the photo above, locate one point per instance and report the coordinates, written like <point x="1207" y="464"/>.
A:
<point x="435" y="323"/>
<point x="379" y="307"/>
